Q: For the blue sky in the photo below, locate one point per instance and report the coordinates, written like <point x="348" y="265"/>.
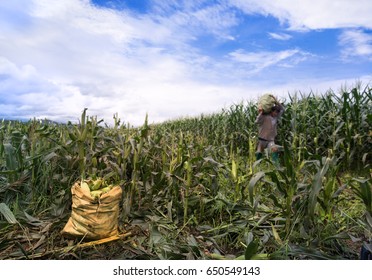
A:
<point x="172" y="59"/>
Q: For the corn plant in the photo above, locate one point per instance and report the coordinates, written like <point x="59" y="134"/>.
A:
<point x="192" y="187"/>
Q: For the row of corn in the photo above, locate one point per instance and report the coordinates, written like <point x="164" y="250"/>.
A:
<point x="96" y="187"/>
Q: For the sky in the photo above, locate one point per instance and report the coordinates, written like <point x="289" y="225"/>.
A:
<point x="174" y="59"/>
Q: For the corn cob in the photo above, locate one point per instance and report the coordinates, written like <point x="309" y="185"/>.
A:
<point x="96" y="185"/>
<point x="96" y="194"/>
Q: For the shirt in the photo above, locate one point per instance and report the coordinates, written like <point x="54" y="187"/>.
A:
<point x="268" y="125"/>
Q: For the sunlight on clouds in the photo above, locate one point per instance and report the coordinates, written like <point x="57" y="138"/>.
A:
<point x="280" y="36"/>
<point x="165" y="101"/>
<point x="58" y="57"/>
<point x="16" y="80"/>
<point x="9" y="68"/>
<point x="187" y="20"/>
<point x="81" y="15"/>
<point x="312" y="14"/>
<point x="356" y="43"/>
<point x="261" y="60"/>
<point x="83" y="67"/>
<point x="216" y="19"/>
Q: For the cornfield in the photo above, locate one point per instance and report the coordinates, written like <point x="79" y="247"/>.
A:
<point x="192" y="188"/>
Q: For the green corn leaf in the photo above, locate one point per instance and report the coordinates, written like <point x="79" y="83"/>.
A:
<point x="7" y="213"/>
<point x="369" y="219"/>
<point x="11" y="162"/>
<point x="49" y="156"/>
<point x="252" y="183"/>
<point x="316" y="187"/>
<point x="251" y="250"/>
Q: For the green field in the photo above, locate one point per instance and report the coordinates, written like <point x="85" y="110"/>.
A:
<point x="192" y="188"/>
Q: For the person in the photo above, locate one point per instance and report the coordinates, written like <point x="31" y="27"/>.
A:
<point x="267" y="130"/>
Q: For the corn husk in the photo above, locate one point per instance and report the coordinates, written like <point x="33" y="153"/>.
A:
<point x="95" y="188"/>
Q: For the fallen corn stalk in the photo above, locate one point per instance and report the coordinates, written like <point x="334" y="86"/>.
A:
<point x="68" y="249"/>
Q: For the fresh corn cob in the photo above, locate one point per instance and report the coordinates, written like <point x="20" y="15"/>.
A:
<point x="96" y="194"/>
<point x="106" y="189"/>
<point x="96" y="185"/>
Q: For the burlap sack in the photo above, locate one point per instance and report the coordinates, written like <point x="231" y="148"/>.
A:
<point x="93" y="219"/>
<point x="266" y="102"/>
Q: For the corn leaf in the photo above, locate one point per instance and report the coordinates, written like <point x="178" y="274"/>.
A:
<point x="252" y="183"/>
<point x="7" y="213"/>
<point x="251" y="250"/>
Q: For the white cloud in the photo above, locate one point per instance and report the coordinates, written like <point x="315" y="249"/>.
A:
<point x="105" y="60"/>
<point x="260" y="60"/>
<point x="58" y="57"/>
<point x="280" y="36"/>
<point x="186" y="20"/>
<point x="9" y="68"/>
<point x="356" y="43"/>
<point x="313" y="14"/>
